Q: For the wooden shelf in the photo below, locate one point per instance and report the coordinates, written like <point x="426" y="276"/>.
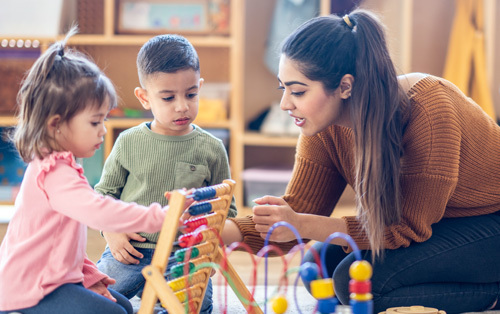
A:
<point x="259" y="139"/>
<point x="7" y="121"/>
<point x="138" y="40"/>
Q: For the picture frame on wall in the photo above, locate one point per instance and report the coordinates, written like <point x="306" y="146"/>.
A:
<point x="197" y="17"/>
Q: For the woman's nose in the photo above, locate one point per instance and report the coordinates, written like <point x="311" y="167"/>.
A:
<point x="285" y="103"/>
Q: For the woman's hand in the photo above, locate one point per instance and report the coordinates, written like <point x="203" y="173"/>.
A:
<point x="270" y="210"/>
<point x="120" y="247"/>
<point x="101" y="287"/>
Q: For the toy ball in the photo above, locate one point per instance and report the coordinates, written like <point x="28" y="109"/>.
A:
<point x="360" y="270"/>
<point x="309" y="271"/>
<point x="279" y="304"/>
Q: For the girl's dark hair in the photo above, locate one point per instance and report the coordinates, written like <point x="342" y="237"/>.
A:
<point x="61" y="82"/>
<point x="327" y="48"/>
<point x="168" y="54"/>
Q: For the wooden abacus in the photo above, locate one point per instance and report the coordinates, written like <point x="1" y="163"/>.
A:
<point x="174" y="294"/>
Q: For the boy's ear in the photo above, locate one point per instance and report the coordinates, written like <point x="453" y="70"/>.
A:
<point x="202" y="80"/>
<point x="142" y="95"/>
<point x="53" y="123"/>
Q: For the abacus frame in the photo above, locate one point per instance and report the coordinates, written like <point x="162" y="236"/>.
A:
<point x="156" y="285"/>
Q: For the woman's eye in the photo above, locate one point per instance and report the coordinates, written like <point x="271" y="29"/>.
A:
<point x="298" y="93"/>
<point x="282" y="88"/>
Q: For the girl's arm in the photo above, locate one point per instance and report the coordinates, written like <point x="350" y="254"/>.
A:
<point x="91" y="275"/>
<point x="70" y="194"/>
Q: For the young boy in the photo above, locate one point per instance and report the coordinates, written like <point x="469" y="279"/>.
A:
<point x="166" y="154"/>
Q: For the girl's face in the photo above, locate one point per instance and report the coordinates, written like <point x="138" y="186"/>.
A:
<point x="84" y="133"/>
<point x="313" y="108"/>
<point x="173" y="100"/>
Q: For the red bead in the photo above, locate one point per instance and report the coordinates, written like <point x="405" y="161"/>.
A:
<point x="360" y="286"/>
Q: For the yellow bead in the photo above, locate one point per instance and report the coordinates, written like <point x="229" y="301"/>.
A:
<point x="361" y="296"/>
<point x="360" y="270"/>
<point x="322" y="288"/>
<point x="279" y="304"/>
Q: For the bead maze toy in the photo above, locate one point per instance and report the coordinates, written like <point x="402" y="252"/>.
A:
<point x="321" y="284"/>
<point x="201" y="253"/>
<point x="184" y="293"/>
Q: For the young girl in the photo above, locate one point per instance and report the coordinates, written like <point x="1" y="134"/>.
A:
<point x="422" y="157"/>
<point x="64" y="102"/>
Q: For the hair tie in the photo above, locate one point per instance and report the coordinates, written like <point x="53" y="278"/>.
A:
<point x="348" y="21"/>
<point x="61" y="53"/>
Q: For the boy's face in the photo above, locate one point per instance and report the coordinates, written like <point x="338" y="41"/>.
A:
<point x="173" y="100"/>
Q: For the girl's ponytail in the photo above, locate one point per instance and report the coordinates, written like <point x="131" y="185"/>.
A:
<point x="61" y="82"/>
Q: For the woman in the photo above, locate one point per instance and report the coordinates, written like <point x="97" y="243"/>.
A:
<point x="423" y="160"/>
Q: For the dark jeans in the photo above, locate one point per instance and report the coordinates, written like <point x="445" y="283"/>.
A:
<point x="129" y="278"/>
<point x="75" y="299"/>
<point x="456" y="270"/>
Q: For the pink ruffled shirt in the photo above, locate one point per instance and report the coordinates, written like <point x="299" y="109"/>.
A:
<point x="46" y="240"/>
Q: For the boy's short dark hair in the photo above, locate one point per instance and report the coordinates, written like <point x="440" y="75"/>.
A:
<point x="168" y="54"/>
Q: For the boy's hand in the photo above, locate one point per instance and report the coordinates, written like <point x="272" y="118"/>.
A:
<point x="101" y="288"/>
<point x="120" y="247"/>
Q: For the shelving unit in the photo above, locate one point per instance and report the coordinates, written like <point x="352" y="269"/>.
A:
<point x="221" y="60"/>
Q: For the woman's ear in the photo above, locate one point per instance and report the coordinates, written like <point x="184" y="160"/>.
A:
<point x="142" y="95"/>
<point x="346" y="86"/>
<point x="53" y="123"/>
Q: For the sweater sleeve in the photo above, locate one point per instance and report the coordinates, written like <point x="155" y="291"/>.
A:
<point x="315" y="188"/>
<point x="114" y="175"/>
<point x="69" y="193"/>
<point x="91" y="275"/>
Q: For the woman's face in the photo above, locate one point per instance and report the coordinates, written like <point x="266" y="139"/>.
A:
<point x="313" y="108"/>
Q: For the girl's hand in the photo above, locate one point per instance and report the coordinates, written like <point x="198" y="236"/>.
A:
<point x="270" y="210"/>
<point x="120" y="247"/>
<point x="189" y="201"/>
<point x="101" y="287"/>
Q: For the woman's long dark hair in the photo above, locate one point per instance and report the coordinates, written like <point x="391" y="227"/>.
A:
<point x="329" y="47"/>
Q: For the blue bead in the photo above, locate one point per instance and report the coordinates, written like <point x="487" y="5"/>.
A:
<point x="200" y="208"/>
<point x="204" y="193"/>
<point x="326" y="306"/>
<point x="309" y="271"/>
<point x="361" y="307"/>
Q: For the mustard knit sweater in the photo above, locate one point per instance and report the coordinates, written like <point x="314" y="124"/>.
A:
<point x="450" y="168"/>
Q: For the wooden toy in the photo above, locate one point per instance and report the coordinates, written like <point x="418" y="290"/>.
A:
<point x="416" y="309"/>
<point x="185" y="293"/>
